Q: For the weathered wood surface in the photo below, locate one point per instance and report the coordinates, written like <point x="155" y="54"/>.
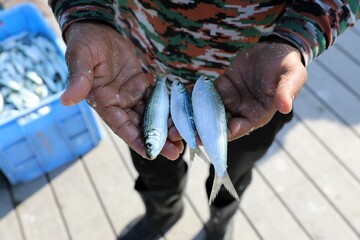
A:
<point x="306" y="187"/>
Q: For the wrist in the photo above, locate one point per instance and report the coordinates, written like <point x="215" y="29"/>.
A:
<point x="275" y="39"/>
<point x="80" y="25"/>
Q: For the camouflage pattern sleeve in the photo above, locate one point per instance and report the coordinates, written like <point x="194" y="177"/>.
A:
<point x="69" y="11"/>
<point x="313" y="26"/>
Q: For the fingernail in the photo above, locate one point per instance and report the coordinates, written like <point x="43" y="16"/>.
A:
<point x="66" y="103"/>
<point x="71" y="103"/>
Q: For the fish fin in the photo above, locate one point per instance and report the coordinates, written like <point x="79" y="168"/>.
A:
<point x="202" y="155"/>
<point x="226" y="181"/>
<point x="230" y="187"/>
<point x="218" y="181"/>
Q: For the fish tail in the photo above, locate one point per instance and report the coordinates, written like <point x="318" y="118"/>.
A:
<point x="218" y="181"/>
<point x="230" y="187"/>
<point x="226" y="181"/>
<point x="201" y="154"/>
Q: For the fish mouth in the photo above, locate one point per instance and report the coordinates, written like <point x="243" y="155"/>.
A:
<point x="149" y="152"/>
<point x="150" y="156"/>
<point x="152" y="146"/>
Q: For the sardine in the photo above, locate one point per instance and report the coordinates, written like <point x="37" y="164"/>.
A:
<point x="156" y="119"/>
<point x="211" y="126"/>
<point x="183" y="118"/>
<point x="31" y="69"/>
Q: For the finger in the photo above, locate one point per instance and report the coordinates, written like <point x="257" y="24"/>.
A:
<point x="229" y="93"/>
<point x="173" y="146"/>
<point x="79" y="61"/>
<point x="289" y="87"/>
<point x="172" y="150"/>
<point x="122" y="124"/>
<point x="173" y="134"/>
<point x="238" y="127"/>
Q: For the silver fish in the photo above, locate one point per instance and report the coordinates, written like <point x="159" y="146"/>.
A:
<point x="156" y="119"/>
<point x="31" y="69"/>
<point x="211" y="125"/>
<point x="183" y="118"/>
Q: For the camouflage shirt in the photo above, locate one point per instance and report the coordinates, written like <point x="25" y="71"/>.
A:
<point x="191" y="37"/>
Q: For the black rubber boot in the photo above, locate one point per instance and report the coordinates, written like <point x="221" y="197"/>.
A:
<point x="220" y="225"/>
<point x="163" y="210"/>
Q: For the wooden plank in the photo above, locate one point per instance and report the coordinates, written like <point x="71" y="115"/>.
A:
<point x="349" y="44"/>
<point x="113" y="183"/>
<point x="326" y="172"/>
<point x="305" y="148"/>
<point x="335" y="96"/>
<point x="38" y="211"/>
<point x="9" y="225"/>
<point x="196" y="191"/>
<point x="357" y="26"/>
<point x="189" y="221"/>
<point x="340" y="68"/>
<point x="304" y="200"/>
<point x="356" y="29"/>
<point x="243" y="229"/>
<point x="187" y="227"/>
<point x="345" y="194"/>
<point x="124" y="152"/>
<point x="197" y="194"/>
<point x="268" y="214"/>
<point x="80" y="206"/>
<point x="342" y="141"/>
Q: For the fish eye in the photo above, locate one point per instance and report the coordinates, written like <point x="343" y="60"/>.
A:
<point x="178" y="83"/>
<point x="149" y="145"/>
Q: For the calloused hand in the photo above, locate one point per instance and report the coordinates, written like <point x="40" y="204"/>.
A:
<point x="260" y="81"/>
<point x="104" y="69"/>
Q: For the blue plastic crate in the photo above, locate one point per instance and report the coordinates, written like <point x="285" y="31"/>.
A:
<point x="26" y="18"/>
<point x="41" y="139"/>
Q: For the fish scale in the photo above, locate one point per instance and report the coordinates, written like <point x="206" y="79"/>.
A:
<point x="211" y="126"/>
<point x="30" y="69"/>
<point x="156" y="119"/>
<point x="182" y="116"/>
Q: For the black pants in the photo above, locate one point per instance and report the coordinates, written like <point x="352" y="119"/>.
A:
<point x="162" y="174"/>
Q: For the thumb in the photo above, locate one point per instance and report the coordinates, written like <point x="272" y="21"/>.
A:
<point x="80" y="79"/>
<point x="289" y="87"/>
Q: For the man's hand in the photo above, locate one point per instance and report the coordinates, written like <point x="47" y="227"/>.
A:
<point x="104" y="69"/>
<point x="260" y="81"/>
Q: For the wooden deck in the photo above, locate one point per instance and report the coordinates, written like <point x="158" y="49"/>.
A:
<point x="306" y="187"/>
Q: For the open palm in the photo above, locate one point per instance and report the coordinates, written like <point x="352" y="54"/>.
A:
<point x="104" y="69"/>
<point x="260" y="81"/>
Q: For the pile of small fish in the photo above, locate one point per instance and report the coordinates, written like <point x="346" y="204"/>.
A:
<point x="202" y="114"/>
<point x="30" y="69"/>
